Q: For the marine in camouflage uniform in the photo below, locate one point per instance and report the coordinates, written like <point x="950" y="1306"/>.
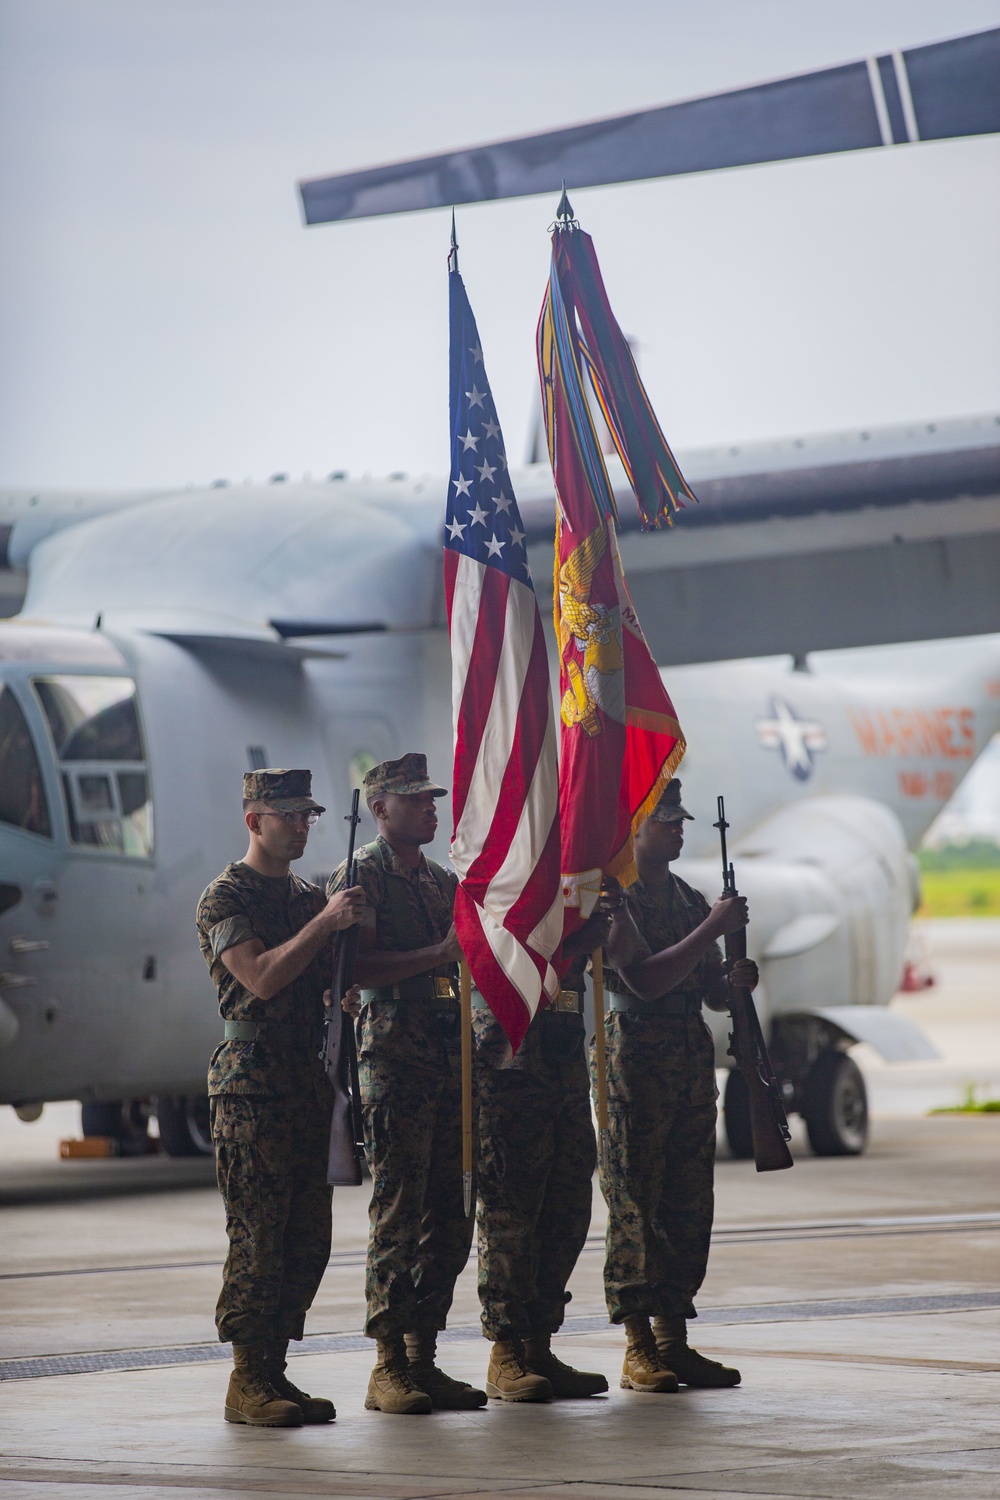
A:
<point x="537" y="1154"/>
<point x="270" y="1100"/>
<point x="657" y="1172"/>
<point x="410" y="1073"/>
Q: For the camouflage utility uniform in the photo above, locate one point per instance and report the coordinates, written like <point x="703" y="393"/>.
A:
<point x="657" y="1176"/>
<point x="537" y="1155"/>
<point x="271" y="1107"/>
<point x="409" y="1065"/>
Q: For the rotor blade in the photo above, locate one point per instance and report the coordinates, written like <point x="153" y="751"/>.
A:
<point x="928" y="93"/>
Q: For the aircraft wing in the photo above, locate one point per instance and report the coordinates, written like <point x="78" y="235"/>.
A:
<point x="854" y="539"/>
<point x="851" y="540"/>
<point x="934" y="92"/>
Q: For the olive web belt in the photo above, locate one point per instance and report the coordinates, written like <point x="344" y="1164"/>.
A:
<point x="567" y="1002"/>
<point x="423" y="987"/>
<point x="666" y="1005"/>
<point x="273" y="1031"/>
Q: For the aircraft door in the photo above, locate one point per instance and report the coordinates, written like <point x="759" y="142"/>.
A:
<point x="89" y="889"/>
<point x="31" y="854"/>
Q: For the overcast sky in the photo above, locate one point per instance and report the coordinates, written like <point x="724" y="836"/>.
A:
<point x="164" y="316"/>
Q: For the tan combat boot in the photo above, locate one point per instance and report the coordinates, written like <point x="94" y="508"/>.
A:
<point x="564" y="1380"/>
<point x="446" y="1394"/>
<point x="643" y="1369"/>
<point x="252" y="1397"/>
<point x="391" y="1387"/>
<point x="313" y="1408"/>
<point x="509" y="1378"/>
<point x="690" y="1367"/>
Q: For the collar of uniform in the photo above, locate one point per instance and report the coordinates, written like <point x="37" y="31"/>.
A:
<point x="392" y="862"/>
<point x="240" y="867"/>
<point x="639" y="891"/>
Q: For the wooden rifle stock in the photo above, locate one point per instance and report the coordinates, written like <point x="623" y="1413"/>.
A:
<point x="340" y="1052"/>
<point x="768" y="1124"/>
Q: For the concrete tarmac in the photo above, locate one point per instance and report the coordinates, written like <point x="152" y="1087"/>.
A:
<point x="859" y="1297"/>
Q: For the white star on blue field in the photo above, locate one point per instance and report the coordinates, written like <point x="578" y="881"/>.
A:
<point x="482" y="517"/>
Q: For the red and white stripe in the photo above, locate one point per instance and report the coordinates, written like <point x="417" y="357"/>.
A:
<point x="509" y="906"/>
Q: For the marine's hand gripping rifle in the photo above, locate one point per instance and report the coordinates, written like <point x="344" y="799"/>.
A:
<point x="340" y="1053"/>
<point x="768" y="1125"/>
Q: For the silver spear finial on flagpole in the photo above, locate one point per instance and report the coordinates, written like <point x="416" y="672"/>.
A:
<point x="565" y="218"/>
<point x="453" y="252"/>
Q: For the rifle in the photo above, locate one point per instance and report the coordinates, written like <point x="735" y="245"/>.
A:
<point x="340" y="1053"/>
<point x="768" y="1124"/>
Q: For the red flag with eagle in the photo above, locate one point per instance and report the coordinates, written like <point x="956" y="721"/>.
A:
<point x="620" y="739"/>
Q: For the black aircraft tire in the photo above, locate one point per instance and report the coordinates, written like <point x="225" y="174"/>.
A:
<point x="184" y="1125"/>
<point x="736" y="1116"/>
<point x="835" y="1106"/>
<point x="103" y="1119"/>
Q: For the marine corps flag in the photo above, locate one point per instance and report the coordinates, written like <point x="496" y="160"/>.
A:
<point x="621" y="742"/>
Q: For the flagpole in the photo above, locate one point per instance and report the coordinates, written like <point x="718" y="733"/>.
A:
<point x="600" y="1050"/>
<point x="465" y="1005"/>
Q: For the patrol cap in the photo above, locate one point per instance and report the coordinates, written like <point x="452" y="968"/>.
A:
<point x="285" y="791"/>
<point x="404" y="777"/>
<point x="669" y="808"/>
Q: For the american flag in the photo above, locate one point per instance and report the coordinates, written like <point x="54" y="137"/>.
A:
<point x="505" y="848"/>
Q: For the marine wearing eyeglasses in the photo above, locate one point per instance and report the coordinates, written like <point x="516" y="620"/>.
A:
<point x="266" y="934"/>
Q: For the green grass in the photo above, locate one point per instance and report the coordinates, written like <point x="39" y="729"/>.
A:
<point x="961" y="880"/>
<point x="960" y="893"/>
<point x="970" y="1105"/>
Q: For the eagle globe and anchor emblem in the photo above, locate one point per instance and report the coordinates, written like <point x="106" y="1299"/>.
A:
<point x="597" y="631"/>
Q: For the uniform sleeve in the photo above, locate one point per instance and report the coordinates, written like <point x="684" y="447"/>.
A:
<point x="222" y="921"/>
<point x="229" y="932"/>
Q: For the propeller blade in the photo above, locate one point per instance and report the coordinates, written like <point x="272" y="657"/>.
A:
<point x="936" y="92"/>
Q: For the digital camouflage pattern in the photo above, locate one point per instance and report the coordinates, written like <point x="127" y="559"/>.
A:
<point x="271" y="1161"/>
<point x="271" y="1106"/>
<point x="429" y="897"/>
<point x="404" y="777"/>
<point x="658" y="1165"/>
<point x="669" y="809"/>
<point x="285" y="791"/>
<point x="537" y="1154"/>
<point x="419" y="1236"/>
<point x="665" y="914"/>
<point x="409" y="1067"/>
<point x="242" y="904"/>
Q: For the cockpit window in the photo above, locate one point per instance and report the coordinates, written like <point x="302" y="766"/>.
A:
<point x="95" y="728"/>
<point x="22" y="795"/>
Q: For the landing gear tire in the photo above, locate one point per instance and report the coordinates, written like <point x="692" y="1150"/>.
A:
<point x="835" y="1106"/>
<point x="185" y="1127"/>
<point x="102" y="1119"/>
<point x="736" y="1116"/>
<point x="124" y="1121"/>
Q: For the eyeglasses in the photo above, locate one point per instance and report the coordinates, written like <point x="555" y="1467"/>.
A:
<point x="310" y="818"/>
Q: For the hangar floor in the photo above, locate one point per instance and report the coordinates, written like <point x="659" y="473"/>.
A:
<point x="861" y="1299"/>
